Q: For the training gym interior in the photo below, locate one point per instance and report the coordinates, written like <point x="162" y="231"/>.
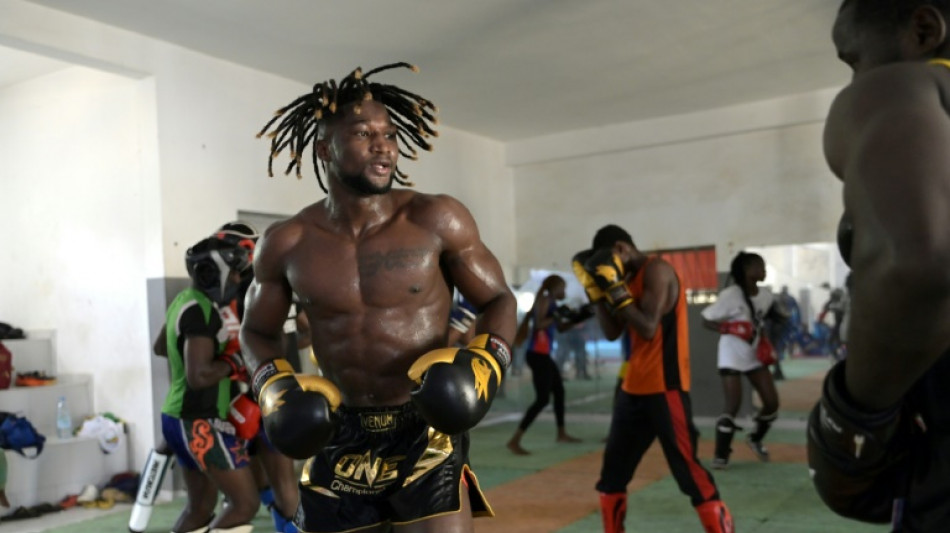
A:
<point x="128" y="132"/>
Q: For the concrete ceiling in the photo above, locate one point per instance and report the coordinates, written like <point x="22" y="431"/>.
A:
<point x="515" y="69"/>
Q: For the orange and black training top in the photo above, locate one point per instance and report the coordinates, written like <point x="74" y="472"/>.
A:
<point x="659" y="364"/>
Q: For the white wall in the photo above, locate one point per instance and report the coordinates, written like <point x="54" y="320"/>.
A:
<point x="76" y="214"/>
<point x="733" y="177"/>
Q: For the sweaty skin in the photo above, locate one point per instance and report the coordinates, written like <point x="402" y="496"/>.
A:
<point x="886" y="139"/>
<point x="660" y="290"/>
<point x="373" y="269"/>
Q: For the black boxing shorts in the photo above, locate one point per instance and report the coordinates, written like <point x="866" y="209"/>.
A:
<point x="385" y="465"/>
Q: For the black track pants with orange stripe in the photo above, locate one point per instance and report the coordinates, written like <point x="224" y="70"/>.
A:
<point x="637" y="421"/>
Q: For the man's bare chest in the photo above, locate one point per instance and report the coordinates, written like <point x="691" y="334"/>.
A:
<point x="377" y="272"/>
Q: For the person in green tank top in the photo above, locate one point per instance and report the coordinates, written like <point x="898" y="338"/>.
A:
<point x="201" y="329"/>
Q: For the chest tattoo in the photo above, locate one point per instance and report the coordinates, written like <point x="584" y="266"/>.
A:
<point x="370" y="264"/>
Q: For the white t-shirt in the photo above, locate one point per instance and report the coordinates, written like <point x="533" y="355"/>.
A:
<point x="731" y="305"/>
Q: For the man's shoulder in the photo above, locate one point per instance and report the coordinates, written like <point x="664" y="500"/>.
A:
<point x="424" y="206"/>
<point x="192" y="300"/>
<point x="425" y="200"/>
<point x="894" y="84"/>
<point x="284" y="234"/>
<point x="190" y="294"/>
<point x="656" y="265"/>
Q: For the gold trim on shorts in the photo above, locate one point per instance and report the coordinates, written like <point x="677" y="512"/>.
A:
<point x="437" y="451"/>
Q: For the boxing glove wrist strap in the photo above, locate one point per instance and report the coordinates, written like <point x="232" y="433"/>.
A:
<point x="618" y="296"/>
<point x="495" y="346"/>
<point x="850" y="435"/>
<point x="268" y="371"/>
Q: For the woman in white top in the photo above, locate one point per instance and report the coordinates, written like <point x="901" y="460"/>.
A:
<point x="738" y="315"/>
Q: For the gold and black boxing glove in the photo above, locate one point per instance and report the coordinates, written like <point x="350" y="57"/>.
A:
<point x="297" y="409"/>
<point x="455" y="386"/>
<point x="606" y="269"/>
<point x="594" y="294"/>
<point x="857" y="459"/>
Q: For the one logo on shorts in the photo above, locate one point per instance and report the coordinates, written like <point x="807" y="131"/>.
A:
<point x="363" y="473"/>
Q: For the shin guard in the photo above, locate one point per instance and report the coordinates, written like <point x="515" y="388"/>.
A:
<point x="725" y="431"/>
<point x="762" y="425"/>
<point x="153" y="474"/>
<point x="613" y="511"/>
<point x="715" y="517"/>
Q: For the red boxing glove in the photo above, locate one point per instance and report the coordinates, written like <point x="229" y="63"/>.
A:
<point x="238" y="370"/>
<point x="765" y="353"/>
<point x="245" y="415"/>
<point x="739" y="328"/>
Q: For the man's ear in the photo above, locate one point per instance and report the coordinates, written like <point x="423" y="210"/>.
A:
<point x="323" y="150"/>
<point x="929" y="28"/>
<point x="620" y="249"/>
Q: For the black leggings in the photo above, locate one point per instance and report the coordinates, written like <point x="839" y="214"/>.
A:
<point x="547" y="379"/>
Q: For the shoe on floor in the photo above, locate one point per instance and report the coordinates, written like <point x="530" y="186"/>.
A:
<point x="20" y="513"/>
<point x="758" y="449"/>
<point x="116" y="495"/>
<point x="720" y="463"/>
<point x="88" y="494"/>
<point x="45" y="508"/>
<point x="69" y="501"/>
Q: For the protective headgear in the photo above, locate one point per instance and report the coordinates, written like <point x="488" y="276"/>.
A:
<point x="241" y="234"/>
<point x="210" y="262"/>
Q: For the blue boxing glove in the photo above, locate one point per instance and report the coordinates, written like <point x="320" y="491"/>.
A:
<point x="462" y="317"/>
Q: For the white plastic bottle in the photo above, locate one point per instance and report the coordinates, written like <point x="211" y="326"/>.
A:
<point x="64" y="421"/>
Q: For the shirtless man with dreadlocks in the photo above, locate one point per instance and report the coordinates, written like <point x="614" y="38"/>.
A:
<point x="384" y="431"/>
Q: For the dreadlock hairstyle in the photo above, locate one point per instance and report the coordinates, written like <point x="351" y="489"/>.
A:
<point x="737" y="275"/>
<point x="302" y="121"/>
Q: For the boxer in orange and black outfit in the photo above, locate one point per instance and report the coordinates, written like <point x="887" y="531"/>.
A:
<point x="642" y="295"/>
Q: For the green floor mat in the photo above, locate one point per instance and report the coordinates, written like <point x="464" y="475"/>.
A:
<point x="771" y="498"/>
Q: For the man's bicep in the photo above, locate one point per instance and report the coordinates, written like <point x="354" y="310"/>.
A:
<point x="478" y="275"/>
<point x="266" y="304"/>
<point x="268" y="299"/>
<point x="473" y="268"/>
